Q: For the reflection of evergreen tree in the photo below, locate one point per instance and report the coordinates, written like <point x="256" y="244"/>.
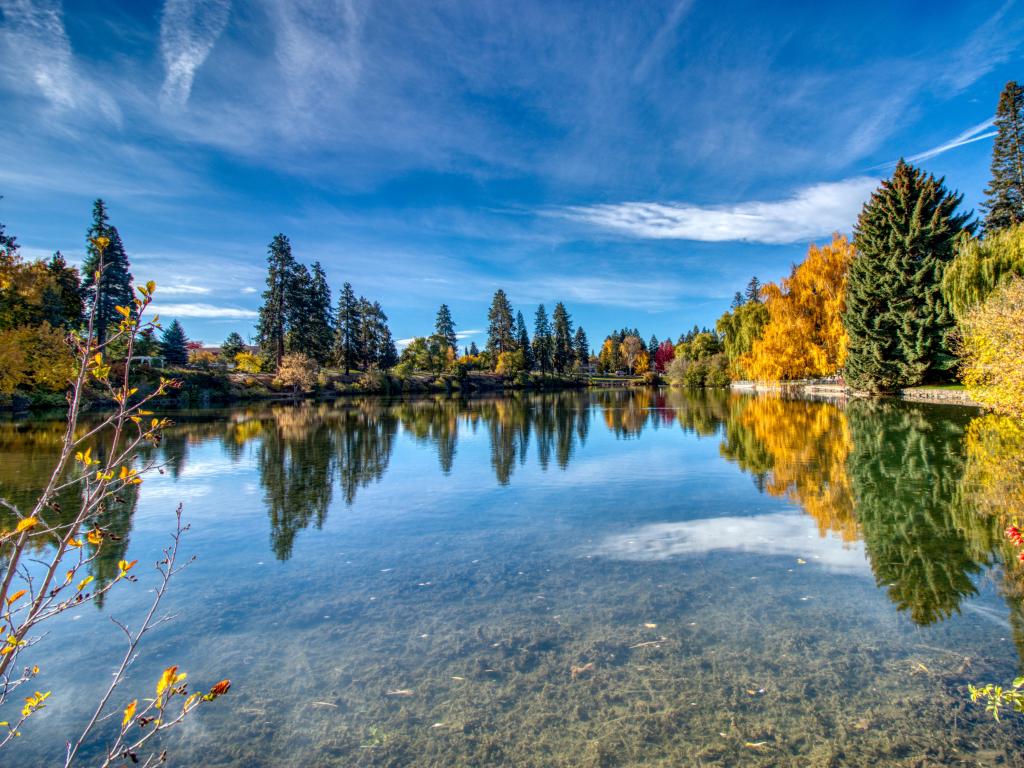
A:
<point x="296" y="475"/>
<point x="364" y="440"/>
<point x="115" y="517"/>
<point x="904" y="469"/>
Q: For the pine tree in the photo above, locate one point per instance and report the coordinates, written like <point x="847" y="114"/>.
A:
<point x="581" y="347"/>
<point x="319" y="323"/>
<point x="737" y="301"/>
<point x="562" y="352"/>
<point x="474" y="350"/>
<point x="543" y="344"/>
<point x="232" y="345"/>
<point x="298" y="310"/>
<point x="63" y="302"/>
<point x="347" y="330"/>
<point x="500" y="326"/>
<point x="523" y="342"/>
<point x="173" y="344"/>
<point x="652" y="349"/>
<point x="115" y="286"/>
<point x="752" y="293"/>
<point x="388" y="350"/>
<point x="896" y="317"/>
<point x="1004" y="195"/>
<point x="272" y="326"/>
<point x="444" y="326"/>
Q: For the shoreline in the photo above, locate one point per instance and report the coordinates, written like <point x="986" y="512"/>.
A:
<point x="813" y="389"/>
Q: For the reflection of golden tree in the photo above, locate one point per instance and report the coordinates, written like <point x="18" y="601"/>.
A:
<point x="992" y="497"/>
<point x="800" y="449"/>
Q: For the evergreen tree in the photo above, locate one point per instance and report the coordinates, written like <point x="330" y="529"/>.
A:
<point x="581" y="347"/>
<point x="298" y="310"/>
<point x="174" y="344"/>
<point x="8" y="243"/>
<point x="1004" y="195"/>
<point x="370" y="337"/>
<point x="562" y="352"/>
<point x="388" y="350"/>
<point x="896" y="317"/>
<point x="63" y="303"/>
<point x="272" y="326"/>
<point x="232" y="345"/>
<point x="115" y="286"/>
<point x="523" y="341"/>
<point x="752" y="293"/>
<point x="737" y="301"/>
<point x="500" y="326"/>
<point x="320" y="317"/>
<point x="543" y="344"/>
<point x="444" y="327"/>
<point x="347" y="332"/>
<point x="652" y="349"/>
<point x="474" y="350"/>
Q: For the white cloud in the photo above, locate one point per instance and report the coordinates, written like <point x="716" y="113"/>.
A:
<point x="248" y="289"/>
<point x="35" y="51"/>
<point x="777" y="533"/>
<point x="188" y="31"/>
<point x="662" y="41"/>
<point x="206" y="311"/>
<point x="183" y="290"/>
<point x="812" y="212"/>
<point x="967" y="137"/>
<point x="467" y="334"/>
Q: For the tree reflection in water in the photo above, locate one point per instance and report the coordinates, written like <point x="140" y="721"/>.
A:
<point x="928" y="490"/>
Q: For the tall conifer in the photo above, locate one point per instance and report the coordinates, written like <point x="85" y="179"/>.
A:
<point x="523" y="342"/>
<point x="500" y="326"/>
<point x="562" y="352"/>
<point x="896" y="317"/>
<point x="444" y="327"/>
<point x="346" y="337"/>
<point x="115" y="287"/>
<point x="543" y="344"/>
<point x="1004" y="196"/>
<point x="272" y="325"/>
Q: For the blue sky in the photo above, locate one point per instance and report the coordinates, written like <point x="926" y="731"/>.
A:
<point x="637" y="161"/>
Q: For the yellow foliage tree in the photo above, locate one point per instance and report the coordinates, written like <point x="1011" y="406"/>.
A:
<point x="35" y="357"/>
<point x="992" y="348"/>
<point x="804" y="336"/>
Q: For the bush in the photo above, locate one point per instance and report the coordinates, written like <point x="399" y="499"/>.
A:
<point x="247" y="362"/>
<point x="297" y="371"/>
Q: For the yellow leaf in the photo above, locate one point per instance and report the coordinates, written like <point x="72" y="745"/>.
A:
<point x="74" y="543"/>
<point x="150" y="286"/>
<point x="100" y="242"/>
<point x="84" y="583"/>
<point x="129" y="713"/>
<point x="123" y="311"/>
<point x="95" y="536"/>
<point x="125" y="566"/>
<point x="13" y="598"/>
<point x="26" y="525"/>
<point x="168" y="679"/>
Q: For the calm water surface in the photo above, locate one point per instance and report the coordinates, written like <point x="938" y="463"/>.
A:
<point x="597" y="579"/>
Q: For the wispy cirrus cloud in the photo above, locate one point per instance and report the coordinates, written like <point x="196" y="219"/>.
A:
<point x="184" y="290"/>
<point x="188" y="31"/>
<point x="969" y="136"/>
<point x="813" y="211"/>
<point x="35" y="53"/>
<point x="205" y="311"/>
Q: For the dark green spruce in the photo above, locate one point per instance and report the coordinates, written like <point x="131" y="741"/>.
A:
<point x="897" y="320"/>
<point x="115" y="283"/>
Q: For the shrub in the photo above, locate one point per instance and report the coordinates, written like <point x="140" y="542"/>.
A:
<point x="297" y="371"/>
<point x="247" y="362"/>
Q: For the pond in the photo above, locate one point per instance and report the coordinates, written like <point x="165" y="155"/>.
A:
<point x="643" y="578"/>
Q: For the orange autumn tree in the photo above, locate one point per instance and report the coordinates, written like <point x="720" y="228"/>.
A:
<point x="804" y="337"/>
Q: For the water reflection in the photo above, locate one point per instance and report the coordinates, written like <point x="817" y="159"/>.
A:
<point x="923" y="491"/>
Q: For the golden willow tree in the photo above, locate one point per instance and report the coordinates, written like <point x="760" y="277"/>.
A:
<point x="992" y="350"/>
<point x="804" y="336"/>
